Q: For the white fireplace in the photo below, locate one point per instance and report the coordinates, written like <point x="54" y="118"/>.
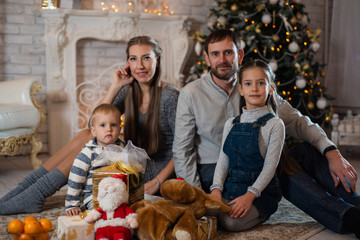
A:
<point x="63" y="30"/>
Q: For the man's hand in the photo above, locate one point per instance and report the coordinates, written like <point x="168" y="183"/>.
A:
<point x="341" y="168"/>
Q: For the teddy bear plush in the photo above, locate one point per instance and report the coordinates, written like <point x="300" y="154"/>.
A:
<point x="174" y="217"/>
<point x="115" y="219"/>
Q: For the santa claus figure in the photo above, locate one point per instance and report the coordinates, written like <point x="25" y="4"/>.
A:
<point x="114" y="219"/>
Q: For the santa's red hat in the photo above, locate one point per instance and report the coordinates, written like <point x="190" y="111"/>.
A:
<point x="119" y="178"/>
<point x="122" y="177"/>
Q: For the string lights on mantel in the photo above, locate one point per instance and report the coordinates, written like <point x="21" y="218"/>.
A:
<point x="157" y="7"/>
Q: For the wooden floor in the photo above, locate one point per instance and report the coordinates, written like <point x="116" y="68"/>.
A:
<point x="14" y="169"/>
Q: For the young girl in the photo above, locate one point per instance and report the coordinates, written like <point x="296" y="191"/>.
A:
<point x="252" y="144"/>
<point x="149" y="108"/>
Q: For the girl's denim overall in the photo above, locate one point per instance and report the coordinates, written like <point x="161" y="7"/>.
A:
<point x="246" y="163"/>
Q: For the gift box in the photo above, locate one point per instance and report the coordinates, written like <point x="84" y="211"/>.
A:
<point x="135" y="182"/>
<point x="74" y="228"/>
<point x="130" y="161"/>
<point x="207" y="228"/>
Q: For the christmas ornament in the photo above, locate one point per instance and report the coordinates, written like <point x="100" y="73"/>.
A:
<point x="322" y="73"/>
<point x="321" y="103"/>
<point x="257" y="28"/>
<point x="273" y="64"/>
<point x="293" y="21"/>
<point x="275" y="38"/>
<point x="304" y="20"/>
<point x="293" y="47"/>
<point x="234" y="7"/>
<point x="300" y="82"/>
<point x="299" y="15"/>
<point x="266" y="18"/>
<point x="273" y="1"/>
<point x="315" y="46"/>
<point x="310" y="105"/>
<point x="198" y="48"/>
<point x="242" y="44"/>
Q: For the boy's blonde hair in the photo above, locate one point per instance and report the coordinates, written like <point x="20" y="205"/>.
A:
<point x="103" y="108"/>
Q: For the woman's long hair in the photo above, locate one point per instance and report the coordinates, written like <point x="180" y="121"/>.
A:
<point x="287" y="165"/>
<point x="151" y="135"/>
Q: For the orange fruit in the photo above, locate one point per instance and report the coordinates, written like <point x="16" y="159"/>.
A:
<point x="32" y="227"/>
<point x="42" y="236"/>
<point x="16" y="226"/>
<point x="46" y="224"/>
<point x="25" y="237"/>
<point x="29" y="218"/>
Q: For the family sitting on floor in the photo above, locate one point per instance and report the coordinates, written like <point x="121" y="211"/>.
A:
<point x="223" y="132"/>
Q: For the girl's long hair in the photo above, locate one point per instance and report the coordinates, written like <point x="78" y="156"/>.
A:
<point x="151" y="135"/>
<point x="287" y="165"/>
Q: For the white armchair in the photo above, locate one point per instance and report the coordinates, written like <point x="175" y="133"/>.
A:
<point x="20" y="117"/>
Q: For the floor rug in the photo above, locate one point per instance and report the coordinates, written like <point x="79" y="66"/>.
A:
<point x="287" y="223"/>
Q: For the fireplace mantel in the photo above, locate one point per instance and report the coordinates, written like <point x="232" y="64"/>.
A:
<point x="65" y="27"/>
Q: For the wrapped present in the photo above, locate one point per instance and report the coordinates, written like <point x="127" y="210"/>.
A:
<point x="207" y="228"/>
<point x="135" y="182"/>
<point x="130" y="161"/>
<point x="74" y="228"/>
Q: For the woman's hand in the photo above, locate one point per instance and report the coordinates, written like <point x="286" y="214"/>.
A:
<point x="217" y="193"/>
<point x="242" y="205"/>
<point x="123" y="77"/>
<point x="151" y="187"/>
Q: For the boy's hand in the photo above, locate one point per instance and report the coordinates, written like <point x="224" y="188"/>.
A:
<point x="73" y="211"/>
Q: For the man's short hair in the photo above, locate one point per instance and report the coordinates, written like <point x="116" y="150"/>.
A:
<point x="103" y="108"/>
<point x="220" y="35"/>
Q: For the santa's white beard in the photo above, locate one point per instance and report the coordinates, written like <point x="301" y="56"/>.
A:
<point x="111" y="199"/>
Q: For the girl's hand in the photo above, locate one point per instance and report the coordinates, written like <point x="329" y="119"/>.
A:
<point x="217" y="193"/>
<point x="123" y="77"/>
<point x="242" y="205"/>
<point x="73" y="211"/>
<point x="151" y="187"/>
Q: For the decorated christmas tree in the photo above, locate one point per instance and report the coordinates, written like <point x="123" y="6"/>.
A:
<point x="276" y="31"/>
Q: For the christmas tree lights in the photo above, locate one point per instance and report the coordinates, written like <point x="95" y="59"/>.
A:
<point x="277" y="32"/>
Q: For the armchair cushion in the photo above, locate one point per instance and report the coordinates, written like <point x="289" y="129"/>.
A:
<point x="14" y="116"/>
<point x="20" y="117"/>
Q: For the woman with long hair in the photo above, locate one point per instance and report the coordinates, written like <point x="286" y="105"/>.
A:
<point x="149" y="107"/>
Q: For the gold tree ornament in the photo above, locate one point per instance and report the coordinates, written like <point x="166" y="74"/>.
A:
<point x="310" y="105"/>
<point x="234" y="7"/>
<point x="293" y="21"/>
<point x="275" y="38"/>
<point x="322" y="73"/>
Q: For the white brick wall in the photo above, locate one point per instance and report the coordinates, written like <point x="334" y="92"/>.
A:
<point x="22" y="51"/>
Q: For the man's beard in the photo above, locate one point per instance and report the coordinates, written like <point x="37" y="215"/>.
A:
<point x="109" y="201"/>
<point x="224" y="75"/>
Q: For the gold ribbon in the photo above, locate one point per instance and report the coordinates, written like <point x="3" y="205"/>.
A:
<point x="122" y="167"/>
